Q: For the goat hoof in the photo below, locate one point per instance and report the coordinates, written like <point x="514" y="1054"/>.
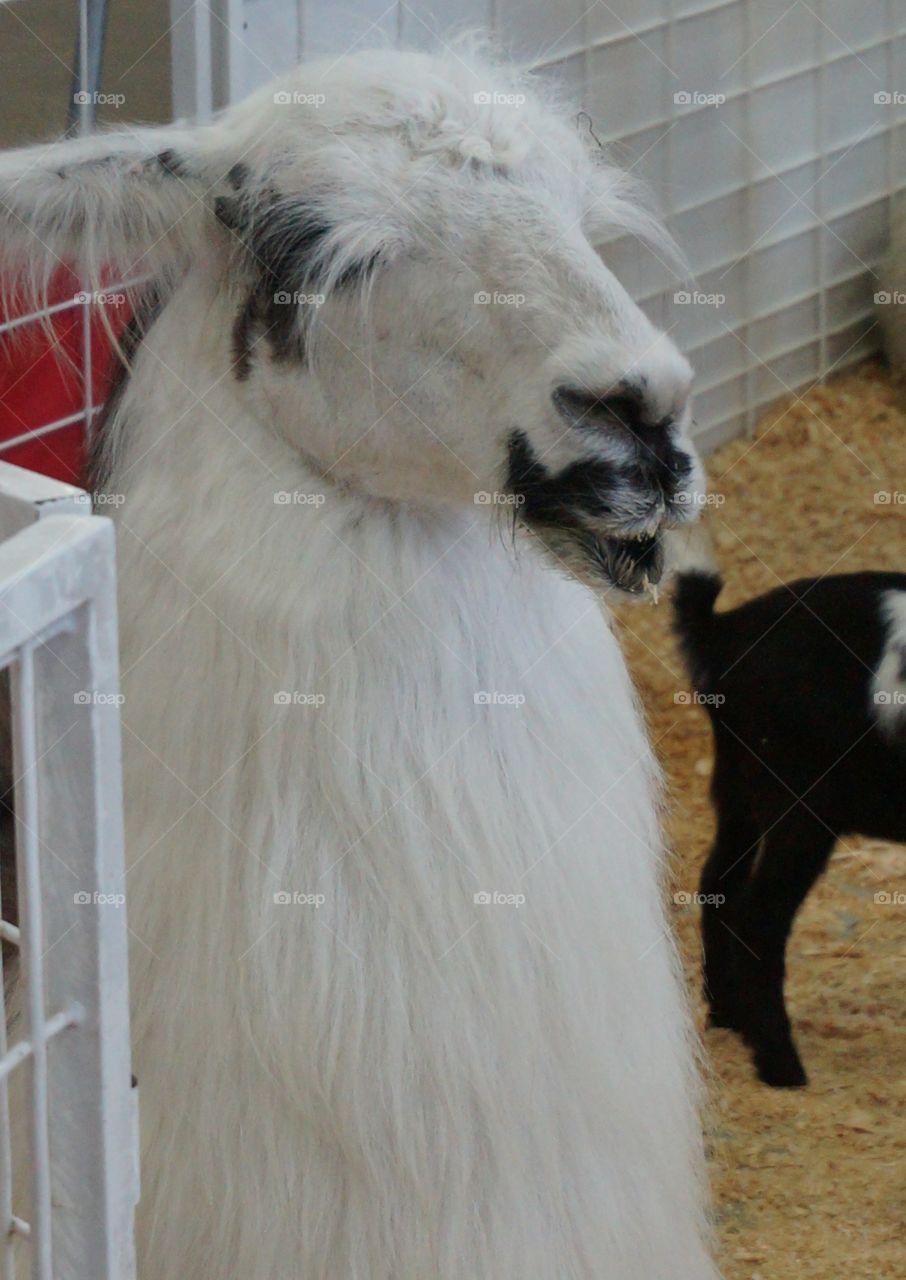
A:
<point x="781" y="1069"/>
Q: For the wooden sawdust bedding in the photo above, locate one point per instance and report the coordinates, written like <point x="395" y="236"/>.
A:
<point x="807" y="1183"/>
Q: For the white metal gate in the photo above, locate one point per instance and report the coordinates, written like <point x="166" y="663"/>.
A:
<point x="68" y="1041"/>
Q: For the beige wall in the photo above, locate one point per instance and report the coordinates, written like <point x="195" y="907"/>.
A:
<point x="37" y="44"/>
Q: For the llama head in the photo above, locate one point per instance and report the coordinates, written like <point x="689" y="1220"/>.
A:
<point x="402" y="251"/>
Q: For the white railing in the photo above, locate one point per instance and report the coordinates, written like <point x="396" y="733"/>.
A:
<point x="71" y="1150"/>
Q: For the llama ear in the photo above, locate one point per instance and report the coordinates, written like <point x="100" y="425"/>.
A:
<point x="129" y="201"/>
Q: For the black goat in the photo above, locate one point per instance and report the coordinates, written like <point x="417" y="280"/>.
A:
<point x="806" y="690"/>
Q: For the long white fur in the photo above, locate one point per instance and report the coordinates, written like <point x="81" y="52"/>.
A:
<point x="386" y="1079"/>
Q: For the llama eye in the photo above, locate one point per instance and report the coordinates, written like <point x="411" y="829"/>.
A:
<point x="585" y="409"/>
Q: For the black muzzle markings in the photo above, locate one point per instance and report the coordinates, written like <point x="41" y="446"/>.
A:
<point x="601" y="518"/>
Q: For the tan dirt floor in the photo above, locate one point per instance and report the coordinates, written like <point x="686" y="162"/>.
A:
<point x="807" y="1183"/>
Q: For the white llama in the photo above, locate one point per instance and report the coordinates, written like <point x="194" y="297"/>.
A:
<point x="405" y="1003"/>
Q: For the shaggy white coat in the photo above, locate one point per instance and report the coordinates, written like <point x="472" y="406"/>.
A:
<point x="380" y="706"/>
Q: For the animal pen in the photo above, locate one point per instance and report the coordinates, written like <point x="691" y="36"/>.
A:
<point x="774" y="137"/>
<point x="70" y="1032"/>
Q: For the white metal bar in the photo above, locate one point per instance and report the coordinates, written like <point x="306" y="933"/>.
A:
<point x="7" y="1217"/>
<point x="6" y="326"/>
<point x="87" y="107"/>
<point x="14" y="1057"/>
<point x="819" y="192"/>
<point x="191" y="62"/>
<point x="22" y="1049"/>
<point x="26" y="496"/>
<point x="769" y="82"/>
<point x="32" y="958"/>
<point x="37" y="432"/>
<point x="68" y="304"/>
<point x="57" y="600"/>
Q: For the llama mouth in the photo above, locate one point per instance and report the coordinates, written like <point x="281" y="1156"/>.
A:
<point x="630" y="565"/>
<point x="633" y="565"/>
<point x="574" y="512"/>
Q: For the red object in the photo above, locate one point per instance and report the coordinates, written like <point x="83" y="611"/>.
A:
<point x="42" y="382"/>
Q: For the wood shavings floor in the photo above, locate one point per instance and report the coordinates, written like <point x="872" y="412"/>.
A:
<point x="807" y="1183"/>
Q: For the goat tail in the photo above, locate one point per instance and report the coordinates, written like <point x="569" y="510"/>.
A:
<point x="694" y="596"/>
<point x="697" y="584"/>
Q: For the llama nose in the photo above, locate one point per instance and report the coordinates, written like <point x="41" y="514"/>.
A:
<point x="592" y="411"/>
<point x="650" y="450"/>
<point x="625" y="407"/>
